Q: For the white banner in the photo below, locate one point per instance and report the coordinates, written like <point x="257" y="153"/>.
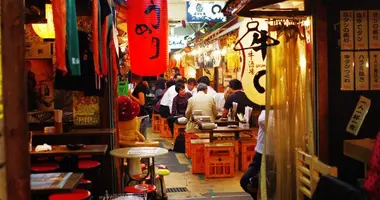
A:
<point x="347" y="70"/>
<point x="374" y="28"/>
<point x="375" y="69"/>
<point x="361" y="70"/>
<point x="347" y="30"/>
<point x="361" y="30"/>
<point x="358" y="116"/>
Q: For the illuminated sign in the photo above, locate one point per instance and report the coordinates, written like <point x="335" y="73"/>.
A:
<point x="205" y="11"/>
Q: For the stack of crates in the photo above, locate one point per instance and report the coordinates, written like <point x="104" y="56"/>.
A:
<point x="219" y="160"/>
<point x="156" y="122"/>
<point x="177" y="129"/>
<point x="247" y="152"/>
<point x="164" y="128"/>
<point x="188" y="138"/>
<point x="236" y="149"/>
<point x="198" y="155"/>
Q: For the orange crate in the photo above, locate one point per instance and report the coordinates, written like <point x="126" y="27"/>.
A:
<point x="177" y="129"/>
<point x="198" y="155"/>
<point x="188" y="137"/>
<point x="219" y="160"/>
<point x="236" y="149"/>
<point x="247" y="152"/>
<point x="164" y="128"/>
<point x="156" y="122"/>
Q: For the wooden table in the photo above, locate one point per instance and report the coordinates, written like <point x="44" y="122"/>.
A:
<point x="225" y="122"/>
<point x="133" y="155"/>
<point x="360" y="150"/>
<point x="221" y="130"/>
<point x="48" y="183"/>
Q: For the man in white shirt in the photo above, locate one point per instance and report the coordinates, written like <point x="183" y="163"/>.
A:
<point x="249" y="181"/>
<point x="167" y="99"/>
<point x="205" y="80"/>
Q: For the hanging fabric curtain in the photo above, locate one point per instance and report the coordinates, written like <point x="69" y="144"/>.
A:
<point x="72" y="38"/>
<point x="95" y="34"/>
<point x="59" y="19"/>
<point x="288" y="112"/>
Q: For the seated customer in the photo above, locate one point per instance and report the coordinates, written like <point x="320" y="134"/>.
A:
<point x="191" y="86"/>
<point x="205" y="80"/>
<point x="179" y="105"/>
<point x="167" y="100"/>
<point x="203" y="102"/>
<point x="156" y="108"/>
<point x="238" y="96"/>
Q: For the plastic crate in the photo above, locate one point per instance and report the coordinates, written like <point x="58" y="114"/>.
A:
<point x="188" y="138"/>
<point x="156" y="122"/>
<point x="198" y="155"/>
<point x="219" y="160"/>
<point x="247" y="152"/>
<point x="164" y="128"/>
<point x="177" y="129"/>
<point x="236" y="149"/>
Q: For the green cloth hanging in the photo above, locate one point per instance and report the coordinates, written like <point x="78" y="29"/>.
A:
<point x="72" y="38"/>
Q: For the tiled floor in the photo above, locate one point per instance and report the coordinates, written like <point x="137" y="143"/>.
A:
<point x="198" y="187"/>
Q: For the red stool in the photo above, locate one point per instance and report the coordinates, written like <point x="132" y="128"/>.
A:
<point x="85" y="184"/>
<point x="77" y="194"/>
<point x="140" y="189"/>
<point x="84" y="156"/>
<point x="45" y="167"/>
<point x="88" y="164"/>
<point x="59" y="158"/>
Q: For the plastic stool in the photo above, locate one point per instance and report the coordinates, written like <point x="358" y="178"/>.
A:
<point x="188" y="138"/>
<point x="219" y="160"/>
<point x="45" y="167"/>
<point x="247" y="152"/>
<point x="156" y="123"/>
<point x="85" y="184"/>
<point x="177" y="129"/>
<point x="77" y="194"/>
<point x="140" y="189"/>
<point x="198" y="155"/>
<point x="164" y="128"/>
<point x="161" y="183"/>
<point x="88" y="164"/>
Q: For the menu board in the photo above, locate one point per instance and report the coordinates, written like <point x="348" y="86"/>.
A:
<point x="347" y="29"/>
<point x="375" y="69"/>
<point x="361" y="30"/>
<point x="374" y="28"/>
<point x="347" y="70"/>
<point x="86" y="110"/>
<point x="361" y="70"/>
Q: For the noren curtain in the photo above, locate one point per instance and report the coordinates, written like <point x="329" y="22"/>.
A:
<point x="288" y="112"/>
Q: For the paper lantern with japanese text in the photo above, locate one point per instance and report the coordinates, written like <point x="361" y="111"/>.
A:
<point x="147" y="22"/>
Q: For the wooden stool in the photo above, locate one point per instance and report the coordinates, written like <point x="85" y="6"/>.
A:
<point x="198" y="155"/>
<point x="164" y="128"/>
<point x="156" y="123"/>
<point x="219" y="160"/>
<point x="177" y="129"/>
<point x="247" y="152"/>
<point x="77" y="194"/>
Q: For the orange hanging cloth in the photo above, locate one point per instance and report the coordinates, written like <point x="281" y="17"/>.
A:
<point x="59" y="19"/>
<point x="104" y="47"/>
<point x="95" y="35"/>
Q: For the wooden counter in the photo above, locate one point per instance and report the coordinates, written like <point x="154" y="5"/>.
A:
<point x="360" y="150"/>
<point x="104" y="131"/>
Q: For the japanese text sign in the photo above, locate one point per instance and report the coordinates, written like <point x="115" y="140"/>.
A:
<point x="358" y="116"/>
<point x="375" y="69"/>
<point x="347" y="70"/>
<point x="198" y="11"/>
<point x="148" y="36"/>
<point x="361" y="70"/>
<point x="347" y="30"/>
<point x="374" y="28"/>
<point x="361" y="30"/>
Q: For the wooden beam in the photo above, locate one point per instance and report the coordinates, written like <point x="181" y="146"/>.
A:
<point x="15" y="100"/>
<point x="321" y="56"/>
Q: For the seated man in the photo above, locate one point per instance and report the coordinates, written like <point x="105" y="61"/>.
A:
<point x="191" y="86"/>
<point x="203" y="102"/>
<point x="179" y="105"/>
<point x="205" y="80"/>
<point x="167" y="99"/>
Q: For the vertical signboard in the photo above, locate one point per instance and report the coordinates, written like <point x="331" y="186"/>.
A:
<point x="374" y="57"/>
<point x="347" y="29"/>
<point x="361" y="30"/>
<point x="374" y="28"/>
<point x="347" y="70"/>
<point x="361" y="70"/>
<point x="358" y="116"/>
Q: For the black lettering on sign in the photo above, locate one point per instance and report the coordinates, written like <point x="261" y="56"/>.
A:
<point x="156" y="43"/>
<point x="256" y="81"/>
<point x="219" y="9"/>
<point x="141" y="29"/>
<point x="154" y="7"/>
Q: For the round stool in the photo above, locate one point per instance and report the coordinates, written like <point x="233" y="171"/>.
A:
<point x="84" y="156"/>
<point x="59" y="158"/>
<point x="140" y="189"/>
<point x="76" y="194"/>
<point x="45" y="167"/>
<point x="88" y="164"/>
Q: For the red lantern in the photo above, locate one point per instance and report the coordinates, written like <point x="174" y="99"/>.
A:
<point x="147" y="22"/>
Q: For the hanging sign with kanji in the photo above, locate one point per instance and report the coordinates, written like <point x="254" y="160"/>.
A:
<point x="375" y="69"/>
<point x="347" y="70"/>
<point x="358" y="116"/>
<point x="361" y="70"/>
<point x="361" y="30"/>
<point x="374" y="28"/>
<point x="346" y="30"/>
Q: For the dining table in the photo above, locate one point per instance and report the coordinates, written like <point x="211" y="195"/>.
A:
<point x="359" y="149"/>
<point x="49" y="183"/>
<point x="134" y="155"/>
<point x="220" y="130"/>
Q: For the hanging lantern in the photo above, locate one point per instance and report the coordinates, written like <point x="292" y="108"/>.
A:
<point x="148" y="36"/>
<point x="46" y="31"/>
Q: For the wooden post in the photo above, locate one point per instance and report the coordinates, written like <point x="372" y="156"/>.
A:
<point x="15" y="100"/>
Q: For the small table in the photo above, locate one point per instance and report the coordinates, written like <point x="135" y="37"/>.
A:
<point x="133" y="155"/>
<point x="221" y="129"/>
<point x="61" y="150"/>
<point x="48" y="183"/>
<point x="360" y="150"/>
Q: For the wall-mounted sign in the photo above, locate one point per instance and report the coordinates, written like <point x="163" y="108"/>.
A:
<point x="86" y="110"/>
<point x="347" y="70"/>
<point x="374" y="28"/>
<point x="346" y="30"/>
<point x="358" y="116"/>
<point x="361" y="70"/>
<point x="177" y="42"/>
<point x="34" y="50"/>
<point x="200" y="11"/>
<point x="374" y="57"/>
<point x="361" y="29"/>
